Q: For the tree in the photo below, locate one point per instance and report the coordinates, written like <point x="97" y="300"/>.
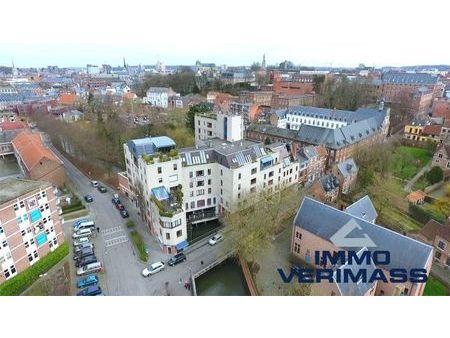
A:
<point x="194" y="109"/>
<point x="443" y="203"/>
<point x="435" y="175"/>
<point x="252" y="226"/>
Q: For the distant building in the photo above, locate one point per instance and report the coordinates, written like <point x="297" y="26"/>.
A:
<point x="158" y="96"/>
<point x="92" y="69"/>
<point x="441" y="157"/>
<point x="422" y="130"/>
<point x="314" y="230"/>
<point x="283" y="101"/>
<point x="312" y="161"/>
<point x="72" y="116"/>
<point x="256" y="97"/>
<point x="223" y="125"/>
<point x="30" y="226"/>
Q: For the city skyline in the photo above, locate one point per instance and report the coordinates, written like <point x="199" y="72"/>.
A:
<point x="186" y="32"/>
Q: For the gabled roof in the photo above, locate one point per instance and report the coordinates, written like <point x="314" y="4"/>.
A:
<point x="324" y="221"/>
<point x="416" y="196"/>
<point x="433" y="229"/>
<point x="432" y="130"/>
<point x="32" y="150"/>
<point x="363" y="208"/>
<point x="409" y="78"/>
<point x="12" y="125"/>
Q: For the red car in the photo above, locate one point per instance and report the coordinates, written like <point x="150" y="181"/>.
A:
<point x="120" y="206"/>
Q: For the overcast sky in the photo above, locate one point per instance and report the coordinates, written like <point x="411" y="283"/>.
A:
<point x="232" y="32"/>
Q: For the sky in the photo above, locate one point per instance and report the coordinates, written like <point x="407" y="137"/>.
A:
<point x="233" y="32"/>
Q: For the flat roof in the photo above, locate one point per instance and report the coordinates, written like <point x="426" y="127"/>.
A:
<point x="11" y="188"/>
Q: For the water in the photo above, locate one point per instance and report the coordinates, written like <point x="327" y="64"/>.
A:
<point x="226" y="279"/>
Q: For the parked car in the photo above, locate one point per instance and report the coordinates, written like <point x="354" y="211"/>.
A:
<point x="119" y="206"/>
<point x="153" y="268"/>
<point x="82" y="233"/>
<point x="94" y="184"/>
<point x="83" y="253"/>
<point x="86" y="261"/>
<point x="77" y="223"/>
<point x="84" y="225"/>
<point x="124" y="213"/>
<point x="93" y="290"/>
<point x="90" y="268"/>
<point x="102" y="189"/>
<point x="81" y="241"/>
<point x="88" y="198"/>
<point x="116" y="201"/>
<point x="178" y="258"/>
<point x="82" y="246"/>
<point x="215" y="239"/>
<point x="89" y="280"/>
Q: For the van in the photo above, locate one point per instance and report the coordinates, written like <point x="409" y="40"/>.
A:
<point x="82" y="233"/>
<point x="84" y="225"/>
<point x="83" y="253"/>
<point x="82" y="246"/>
<point x="90" y="268"/>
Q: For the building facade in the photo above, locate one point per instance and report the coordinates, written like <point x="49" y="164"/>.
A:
<point x="30" y="226"/>
<point x="224" y="125"/>
<point x="180" y="189"/>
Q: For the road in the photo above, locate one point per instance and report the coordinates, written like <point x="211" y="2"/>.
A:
<point x="408" y="187"/>
<point x="113" y="247"/>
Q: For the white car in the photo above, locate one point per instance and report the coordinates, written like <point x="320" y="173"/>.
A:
<point x="152" y="269"/>
<point x="94" y="184"/>
<point x="82" y="233"/>
<point x="215" y="239"/>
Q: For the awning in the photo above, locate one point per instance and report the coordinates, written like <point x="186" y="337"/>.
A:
<point x="182" y="245"/>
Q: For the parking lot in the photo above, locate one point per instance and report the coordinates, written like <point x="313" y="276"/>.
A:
<point x="122" y="269"/>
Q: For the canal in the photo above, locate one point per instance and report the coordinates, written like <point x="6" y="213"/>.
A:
<point x="226" y="279"/>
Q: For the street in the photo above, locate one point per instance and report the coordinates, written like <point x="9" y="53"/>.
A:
<point x="115" y="250"/>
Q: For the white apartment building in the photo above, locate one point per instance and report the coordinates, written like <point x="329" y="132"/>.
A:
<point x="158" y="96"/>
<point x="213" y="178"/>
<point x="226" y="126"/>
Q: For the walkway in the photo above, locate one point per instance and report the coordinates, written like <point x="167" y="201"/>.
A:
<point x="410" y="184"/>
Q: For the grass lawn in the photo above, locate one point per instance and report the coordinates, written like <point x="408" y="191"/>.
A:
<point x="435" y="287"/>
<point x="434" y="212"/>
<point x="395" y="218"/>
<point x="410" y="160"/>
<point x="140" y="245"/>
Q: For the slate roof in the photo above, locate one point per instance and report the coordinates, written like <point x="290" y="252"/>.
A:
<point x="331" y="114"/>
<point x="359" y="288"/>
<point x="348" y="167"/>
<point x="409" y="78"/>
<point x="324" y="221"/>
<point x="363" y="208"/>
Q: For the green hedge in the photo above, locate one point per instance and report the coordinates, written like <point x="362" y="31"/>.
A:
<point x="139" y="244"/>
<point x="73" y="208"/>
<point x="418" y="213"/>
<point x="18" y="284"/>
<point x="130" y="224"/>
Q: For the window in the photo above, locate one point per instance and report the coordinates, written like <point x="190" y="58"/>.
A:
<point x="167" y="235"/>
<point x="221" y="172"/>
<point x="296" y="248"/>
<point x="186" y="205"/>
<point x="199" y="173"/>
<point x="4" y="244"/>
<point x="441" y="245"/>
<point x="200" y="183"/>
<point x="209" y="190"/>
<point x="221" y="183"/>
<point x="30" y="257"/>
<point x="208" y="201"/>
<point x="160" y="180"/>
<point x="192" y="205"/>
<point x="191" y="174"/>
<point x="175" y="167"/>
<point x="298" y="235"/>
<point x="239" y="186"/>
<point x="159" y="170"/>
<point x="438" y="255"/>
<point x="191" y="194"/>
<point x="23" y="233"/>
<point x="191" y="184"/>
<point x="253" y="181"/>
<point x="1" y="230"/>
<point x="200" y="192"/>
<point x="209" y="171"/>
<point x="254" y="171"/>
<point x="179" y="233"/>
<point x="6" y="273"/>
<point x="239" y="195"/>
<point x="239" y="176"/>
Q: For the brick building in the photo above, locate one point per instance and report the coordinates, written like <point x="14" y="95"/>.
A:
<point x="441" y="157"/>
<point x="314" y="230"/>
<point x="36" y="160"/>
<point x="280" y="101"/>
<point x="30" y="226"/>
<point x="438" y="235"/>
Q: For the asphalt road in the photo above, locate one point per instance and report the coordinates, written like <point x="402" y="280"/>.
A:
<point x="114" y="248"/>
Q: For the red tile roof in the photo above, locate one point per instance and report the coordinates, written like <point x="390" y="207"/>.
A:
<point x="31" y="149"/>
<point x="416" y="196"/>
<point x="12" y="126"/>
<point x="67" y="99"/>
<point x="432" y="130"/>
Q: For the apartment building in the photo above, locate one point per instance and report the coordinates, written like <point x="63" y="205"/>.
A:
<point x="179" y="189"/>
<point x="30" y="226"/>
<point x="340" y="132"/>
<point x="314" y="230"/>
<point x="223" y="125"/>
<point x="158" y="96"/>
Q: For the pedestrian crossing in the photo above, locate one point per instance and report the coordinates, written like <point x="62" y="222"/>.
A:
<point x="114" y="236"/>
<point x="116" y="241"/>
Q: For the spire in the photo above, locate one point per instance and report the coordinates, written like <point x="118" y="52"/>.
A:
<point x="263" y="64"/>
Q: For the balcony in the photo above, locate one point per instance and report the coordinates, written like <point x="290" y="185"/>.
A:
<point x="202" y="215"/>
<point x="169" y="204"/>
